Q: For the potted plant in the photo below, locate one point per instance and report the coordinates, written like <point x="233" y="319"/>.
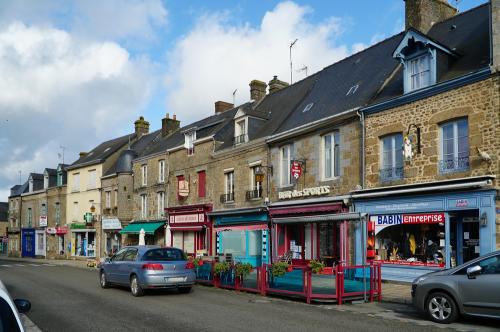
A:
<point x="221" y="267"/>
<point x="316" y="266"/>
<point x="197" y="262"/>
<point x="243" y="269"/>
<point x="279" y="269"/>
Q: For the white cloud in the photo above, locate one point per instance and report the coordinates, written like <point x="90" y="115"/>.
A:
<point x="60" y="90"/>
<point x="215" y="57"/>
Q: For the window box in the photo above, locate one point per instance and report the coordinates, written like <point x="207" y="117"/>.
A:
<point x="391" y="174"/>
<point x="253" y="194"/>
<point x="454" y="165"/>
<point x="240" y="139"/>
<point x="227" y="198"/>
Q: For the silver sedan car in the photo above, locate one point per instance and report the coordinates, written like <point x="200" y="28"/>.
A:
<point x="148" y="267"/>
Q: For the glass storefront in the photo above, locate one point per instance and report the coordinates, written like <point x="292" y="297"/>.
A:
<point x="83" y="243"/>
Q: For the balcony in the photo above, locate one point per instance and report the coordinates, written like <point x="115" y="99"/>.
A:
<point x="454" y="165"/>
<point x="227" y="198"/>
<point x="254" y="194"/>
<point x="240" y="139"/>
<point x="391" y="174"/>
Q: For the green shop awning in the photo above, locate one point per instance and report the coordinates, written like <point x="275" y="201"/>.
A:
<point x="135" y="228"/>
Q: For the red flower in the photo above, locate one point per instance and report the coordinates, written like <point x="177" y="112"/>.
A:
<point x="289" y="268"/>
<point x="200" y="262"/>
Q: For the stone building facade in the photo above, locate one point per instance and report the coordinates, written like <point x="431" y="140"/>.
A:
<point x="14" y="232"/>
<point x="57" y="228"/>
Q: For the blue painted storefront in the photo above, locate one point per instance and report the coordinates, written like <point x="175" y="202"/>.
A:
<point x="480" y="203"/>
<point x="250" y="230"/>
<point x="28" y="242"/>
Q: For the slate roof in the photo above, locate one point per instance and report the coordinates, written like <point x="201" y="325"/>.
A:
<point x="4" y="211"/>
<point x="52" y="176"/>
<point x="102" y="151"/>
<point x="37" y="181"/>
<point x="19" y="189"/>
<point x="467" y="34"/>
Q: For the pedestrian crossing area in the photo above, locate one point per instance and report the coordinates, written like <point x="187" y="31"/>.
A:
<point x="11" y="265"/>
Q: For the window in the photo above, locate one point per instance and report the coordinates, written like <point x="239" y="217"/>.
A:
<point x="144" y="206"/>
<point x="160" y="197"/>
<point x="59" y="178"/>
<point x="165" y="254"/>
<point x="76" y="182"/>
<point x="201" y="184"/>
<point x="45" y="181"/>
<point x="240" y="132"/>
<point x="43" y="209"/>
<point x="391" y="167"/>
<point x="116" y="198"/>
<point x="331" y="155"/>
<point x="130" y="255"/>
<point x="229" y="186"/>
<point x="30" y="217"/>
<point x="144" y="175"/>
<point x="419" y="72"/>
<point x="189" y="139"/>
<point x="285" y="162"/>
<point x="57" y="208"/>
<point x="92" y="179"/>
<point x="30" y="185"/>
<point x="454" y="146"/>
<point x="256" y="182"/>
<point x="490" y="265"/>
<point x="161" y="171"/>
<point x="181" y="184"/>
<point x="108" y="199"/>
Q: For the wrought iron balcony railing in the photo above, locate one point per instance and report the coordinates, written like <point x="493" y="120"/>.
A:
<point x="240" y="139"/>
<point x="391" y="174"/>
<point x="254" y="194"/>
<point x="226" y="198"/>
<point x="454" y="165"/>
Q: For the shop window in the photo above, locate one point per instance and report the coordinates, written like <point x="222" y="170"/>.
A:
<point x="254" y="243"/>
<point x="331" y="155"/>
<point x="454" y="141"/>
<point x="286" y="153"/>
<point x="201" y="184"/>
<point x="144" y="175"/>
<point x="407" y="239"/>
<point x="391" y="167"/>
<point x="144" y="206"/>
<point x="234" y="242"/>
<point x="161" y="171"/>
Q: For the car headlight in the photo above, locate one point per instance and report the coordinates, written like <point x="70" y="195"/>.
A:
<point x="419" y="280"/>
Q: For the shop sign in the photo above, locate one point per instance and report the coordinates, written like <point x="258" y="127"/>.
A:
<point x="187" y="218"/>
<point x="51" y="230"/>
<point x="296" y="169"/>
<point x="383" y="221"/>
<point x="462" y="203"/>
<point x="43" y="221"/>
<point x="183" y="188"/>
<point x="62" y="230"/>
<point x="314" y="191"/>
<point x="111" y="223"/>
<point x="78" y="226"/>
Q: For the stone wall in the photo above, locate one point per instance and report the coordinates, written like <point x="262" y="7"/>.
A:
<point x="56" y="195"/>
<point x="495" y="19"/>
<point x="478" y="102"/>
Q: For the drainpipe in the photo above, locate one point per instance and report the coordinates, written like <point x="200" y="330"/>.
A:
<point x="167" y="174"/>
<point x="362" y="152"/>
<point x="270" y="222"/>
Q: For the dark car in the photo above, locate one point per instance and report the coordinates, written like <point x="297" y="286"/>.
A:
<point x="148" y="267"/>
<point x="472" y="288"/>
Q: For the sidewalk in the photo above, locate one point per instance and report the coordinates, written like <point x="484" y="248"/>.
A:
<point x="61" y="262"/>
<point x="396" y="292"/>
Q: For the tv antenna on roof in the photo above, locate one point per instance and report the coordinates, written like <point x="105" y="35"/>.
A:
<point x="303" y="69"/>
<point x="457" y="2"/>
<point x="62" y="154"/>
<point x="234" y="96"/>
<point x="291" y="67"/>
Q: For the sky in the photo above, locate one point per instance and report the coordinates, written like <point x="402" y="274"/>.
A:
<point x="75" y="73"/>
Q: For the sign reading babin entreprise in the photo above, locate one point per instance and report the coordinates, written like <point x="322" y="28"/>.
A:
<point x="314" y="191"/>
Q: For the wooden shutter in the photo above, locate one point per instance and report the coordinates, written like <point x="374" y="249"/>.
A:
<point x="201" y="184"/>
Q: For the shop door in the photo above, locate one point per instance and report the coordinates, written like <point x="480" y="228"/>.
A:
<point x="40" y="244"/>
<point x="28" y="242"/>
<point x="470" y="245"/>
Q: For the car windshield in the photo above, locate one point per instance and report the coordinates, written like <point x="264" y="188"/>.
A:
<point x="164" y="254"/>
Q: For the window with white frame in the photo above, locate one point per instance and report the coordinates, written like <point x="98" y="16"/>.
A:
<point x="30" y="185"/>
<point x="92" y="179"/>
<point x="108" y="199"/>
<point x="160" y="197"/>
<point x="454" y="142"/>
<point x="286" y="156"/>
<point x="43" y="209"/>
<point x="161" y="171"/>
<point x="391" y="164"/>
<point x="240" y="131"/>
<point x="45" y="181"/>
<point x="419" y="72"/>
<point x="331" y="155"/>
<point x="189" y="139"/>
<point x="116" y="198"/>
<point x="76" y="182"/>
<point x="144" y="206"/>
<point x="144" y="175"/>
<point x="229" y="186"/>
<point x="256" y="182"/>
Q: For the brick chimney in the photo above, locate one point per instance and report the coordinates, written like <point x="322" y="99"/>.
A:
<point x="257" y="90"/>
<point x="222" y="106"/>
<point x="275" y="84"/>
<point x="422" y="14"/>
<point x="169" y="125"/>
<point x="495" y="37"/>
<point x="141" y="127"/>
<point x="83" y="154"/>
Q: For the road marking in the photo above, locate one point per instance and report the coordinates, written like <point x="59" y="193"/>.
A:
<point x="20" y="265"/>
<point x="5" y="265"/>
<point x="35" y="265"/>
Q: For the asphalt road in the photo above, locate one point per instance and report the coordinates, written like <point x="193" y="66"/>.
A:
<point x="70" y="299"/>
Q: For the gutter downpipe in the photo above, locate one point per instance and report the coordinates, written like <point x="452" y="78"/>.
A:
<point x="362" y="122"/>
<point x="270" y="221"/>
<point x="362" y="219"/>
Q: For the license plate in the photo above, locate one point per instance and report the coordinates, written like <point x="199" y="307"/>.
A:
<point x="176" y="279"/>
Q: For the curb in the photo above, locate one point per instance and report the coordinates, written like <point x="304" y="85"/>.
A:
<point x="70" y="263"/>
<point x="28" y="324"/>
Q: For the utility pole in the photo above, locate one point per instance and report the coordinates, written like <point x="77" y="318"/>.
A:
<point x="291" y="66"/>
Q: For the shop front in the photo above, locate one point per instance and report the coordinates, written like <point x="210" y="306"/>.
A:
<point x="414" y="235"/>
<point x="40" y="242"/>
<point x="154" y="232"/>
<point x="111" y="228"/>
<point x="56" y="241"/>
<point x="83" y="241"/>
<point x="312" y="229"/>
<point x="28" y="242"/>
<point x="190" y="229"/>
<point x="243" y="234"/>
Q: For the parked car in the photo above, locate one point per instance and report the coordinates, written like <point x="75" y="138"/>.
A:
<point x="148" y="267"/>
<point x="472" y="288"/>
<point x="9" y="311"/>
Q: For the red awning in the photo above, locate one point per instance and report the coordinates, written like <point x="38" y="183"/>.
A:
<point x="241" y="228"/>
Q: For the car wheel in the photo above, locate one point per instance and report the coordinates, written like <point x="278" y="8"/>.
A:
<point x="441" y="308"/>
<point x="184" y="290"/>
<point x="103" y="281"/>
<point x="135" y="288"/>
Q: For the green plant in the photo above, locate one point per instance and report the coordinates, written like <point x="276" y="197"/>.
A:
<point x="243" y="269"/>
<point x="221" y="267"/>
<point x="316" y="266"/>
<point x="279" y="269"/>
<point x="197" y="262"/>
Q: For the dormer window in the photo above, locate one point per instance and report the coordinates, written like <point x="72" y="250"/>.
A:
<point x="419" y="72"/>
<point x="189" y="139"/>
<point x="45" y="181"/>
<point x="241" y="131"/>
<point x="30" y="185"/>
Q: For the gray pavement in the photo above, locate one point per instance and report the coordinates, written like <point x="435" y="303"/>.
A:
<point x="66" y="298"/>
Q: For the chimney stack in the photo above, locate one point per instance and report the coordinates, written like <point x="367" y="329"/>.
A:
<point x="257" y="90"/>
<point x="495" y="35"/>
<point x="83" y="154"/>
<point x="275" y="84"/>
<point x="222" y="106"/>
<point x="423" y="14"/>
<point x="141" y="127"/>
<point x="168" y="125"/>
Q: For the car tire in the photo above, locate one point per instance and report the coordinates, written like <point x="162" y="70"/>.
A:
<point x="103" y="281"/>
<point x="184" y="290"/>
<point x="441" y="308"/>
<point x="135" y="288"/>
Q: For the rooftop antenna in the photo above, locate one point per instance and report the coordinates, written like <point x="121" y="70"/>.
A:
<point x="291" y="67"/>
<point x="62" y="148"/>
<point x="234" y="96"/>
<point x="457" y="2"/>
<point x="303" y="69"/>
<point x="20" y="177"/>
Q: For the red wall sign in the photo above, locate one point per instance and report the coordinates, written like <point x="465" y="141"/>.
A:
<point x="296" y="170"/>
<point x="423" y="218"/>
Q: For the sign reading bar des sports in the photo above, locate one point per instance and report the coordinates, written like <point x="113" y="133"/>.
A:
<point x="315" y="191"/>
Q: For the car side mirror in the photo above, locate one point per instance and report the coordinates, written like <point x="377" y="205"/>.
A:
<point x="22" y="306"/>
<point x="107" y="260"/>
<point x="473" y="271"/>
